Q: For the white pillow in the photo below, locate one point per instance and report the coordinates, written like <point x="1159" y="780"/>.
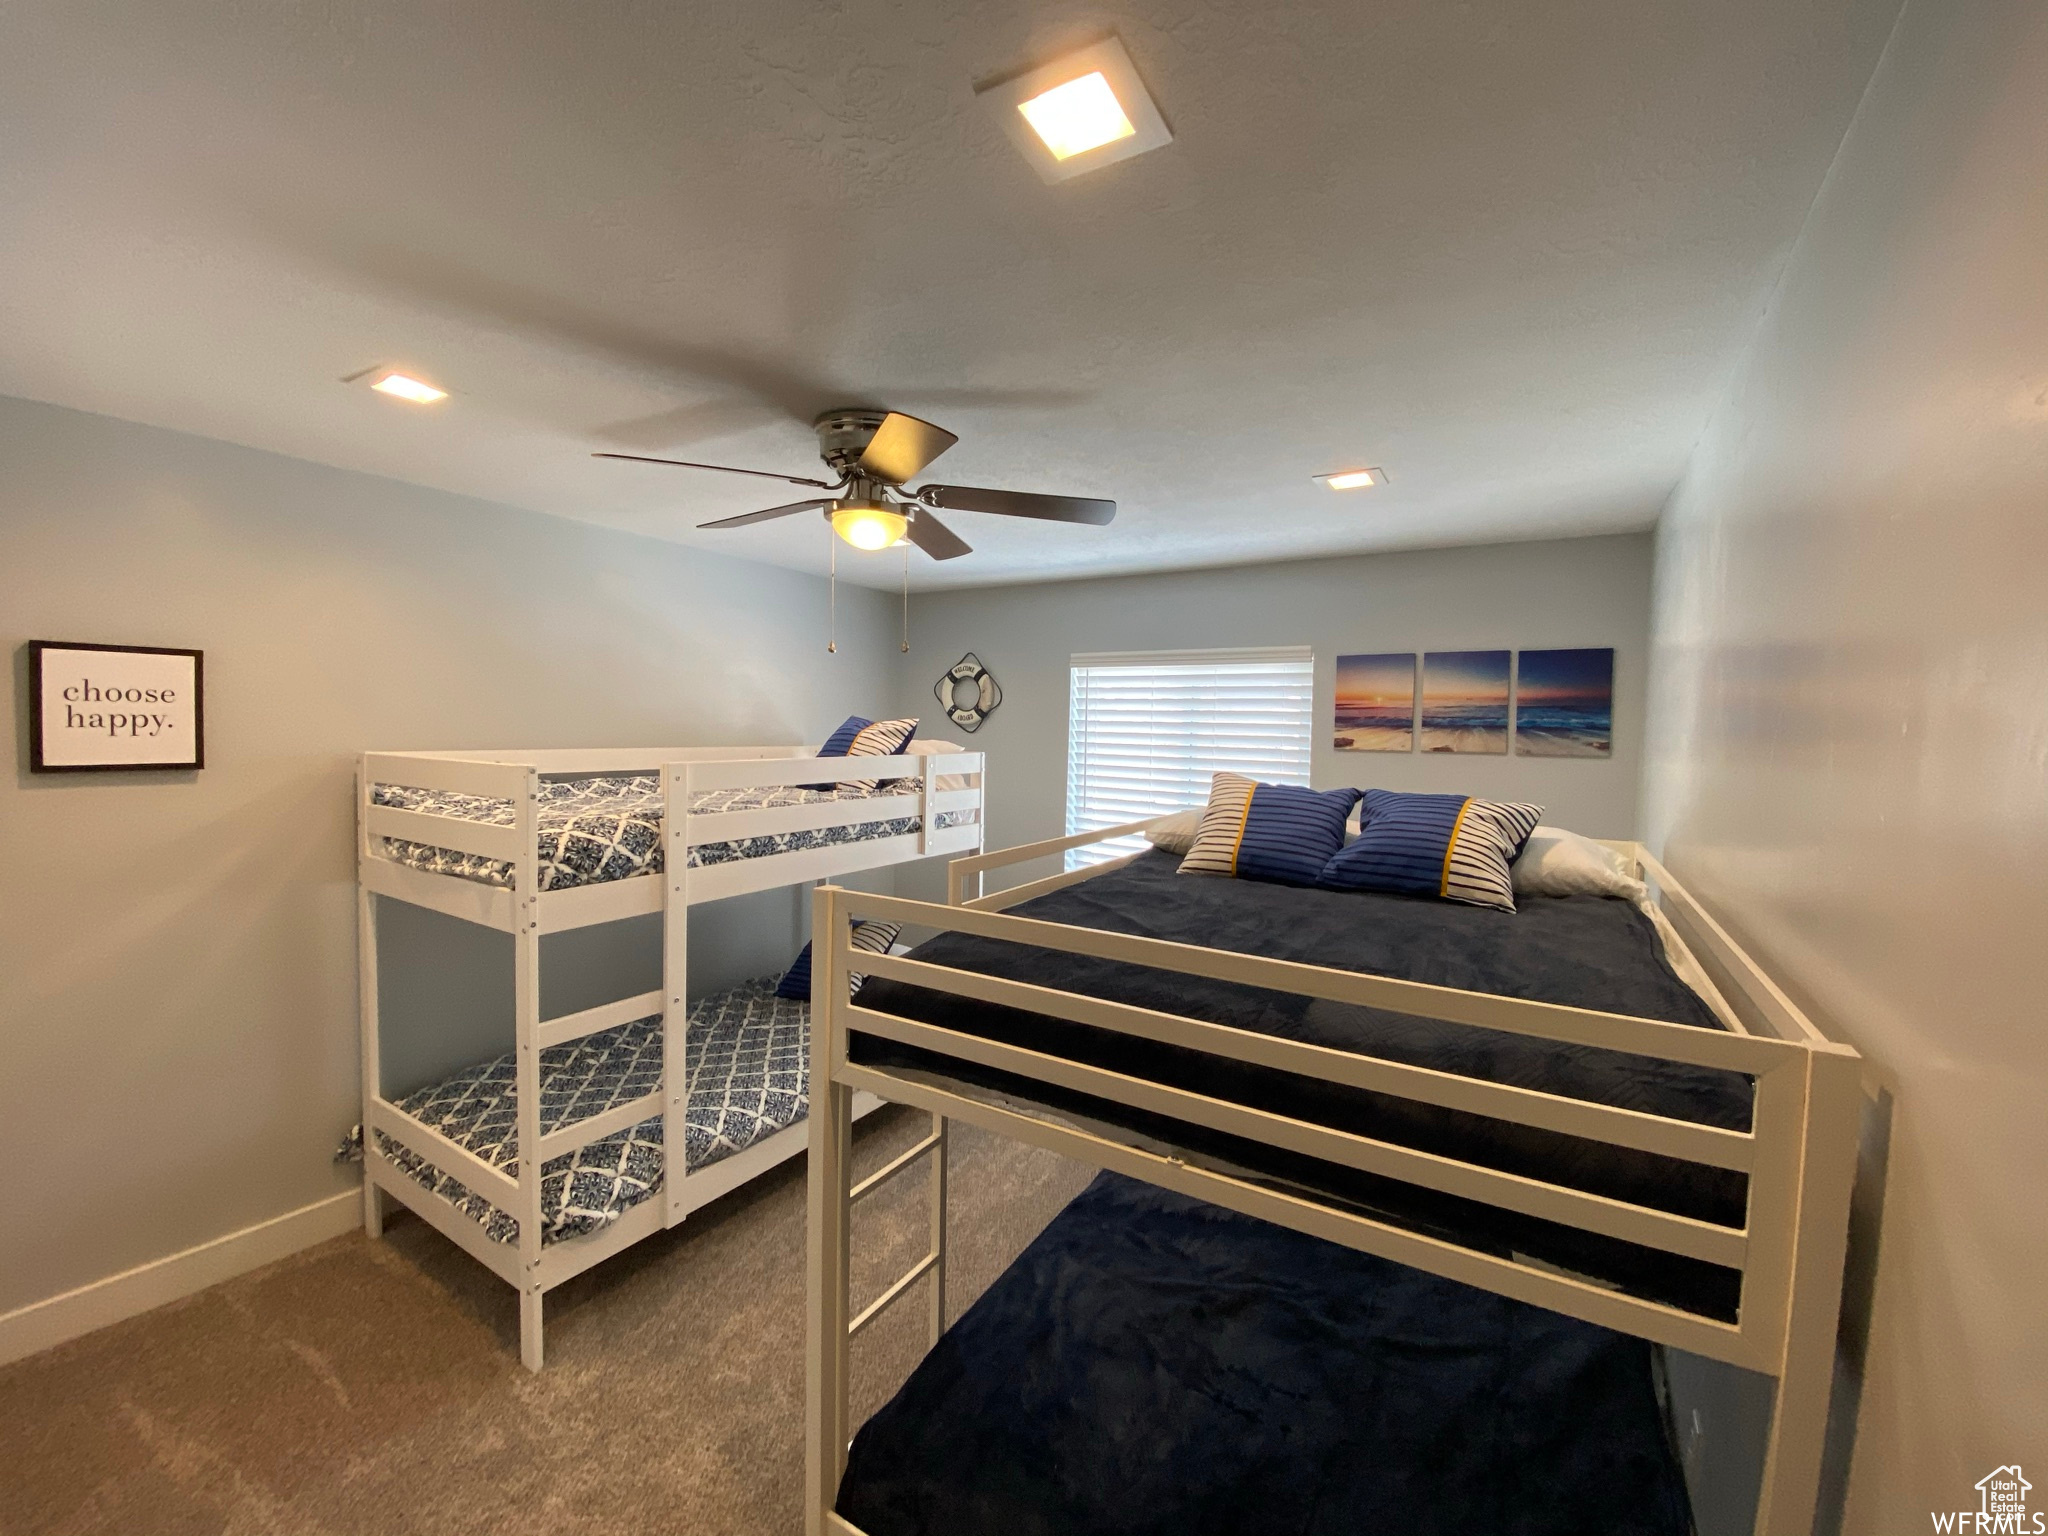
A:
<point x="1555" y="862"/>
<point x="1176" y="834"/>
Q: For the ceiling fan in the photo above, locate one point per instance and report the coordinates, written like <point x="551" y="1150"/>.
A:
<point x="873" y="453"/>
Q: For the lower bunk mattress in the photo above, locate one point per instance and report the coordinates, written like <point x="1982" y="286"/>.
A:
<point x="1152" y="1364"/>
<point x="595" y="830"/>
<point x="749" y="1077"/>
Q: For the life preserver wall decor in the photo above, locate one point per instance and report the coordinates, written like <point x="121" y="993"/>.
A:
<point x="949" y="692"/>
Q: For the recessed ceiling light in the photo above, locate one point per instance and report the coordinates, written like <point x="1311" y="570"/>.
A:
<point x="1352" y="479"/>
<point x="1079" y="112"/>
<point x="406" y="388"/>
<point x="1076" y="117"/>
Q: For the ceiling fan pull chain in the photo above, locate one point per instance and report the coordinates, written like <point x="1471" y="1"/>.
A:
<point x="831" y="590"/>
<point x="906" y="599"/>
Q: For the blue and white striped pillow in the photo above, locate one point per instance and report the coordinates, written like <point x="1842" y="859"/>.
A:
<point x="872" y="937"/>
<point x="1448" y="846"/>
<point x="878" y="738"/>
<point x="1277" y="832"/>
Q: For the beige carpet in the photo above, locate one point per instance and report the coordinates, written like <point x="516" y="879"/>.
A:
<point x="376" y="1387"/>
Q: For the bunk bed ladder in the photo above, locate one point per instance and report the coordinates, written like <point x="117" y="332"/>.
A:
<point x="832" y="1196"/>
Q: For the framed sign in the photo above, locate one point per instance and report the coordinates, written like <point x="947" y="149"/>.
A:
<point x="96" y="708"/>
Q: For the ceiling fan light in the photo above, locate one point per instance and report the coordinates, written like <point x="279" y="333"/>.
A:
<point x="866" y="525"/>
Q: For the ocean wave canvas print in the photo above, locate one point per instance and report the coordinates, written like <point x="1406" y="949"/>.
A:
<point x="1564" y="703"/>
<point x="1465" y="701"/>
<point x="1376" y="703"/>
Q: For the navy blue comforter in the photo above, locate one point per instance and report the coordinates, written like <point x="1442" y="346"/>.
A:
<point x="1152" y="1364"/>
<point x="1585" y="951"/>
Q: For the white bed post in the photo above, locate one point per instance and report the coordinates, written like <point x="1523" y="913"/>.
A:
<point x="1805" y="1377"/>
<point x="366" y="1002"/>
<point x="827" y="1226"/>
<point x="675" y="990"/>
<point x="926" y="767"/>
<point x="938" y="1197"/>
<point x="526" y="1007"/>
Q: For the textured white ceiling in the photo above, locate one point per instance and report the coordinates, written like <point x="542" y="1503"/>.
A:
<point x="1506" y="250"/>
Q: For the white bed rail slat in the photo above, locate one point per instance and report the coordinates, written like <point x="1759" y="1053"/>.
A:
<point x="766" y="773"/>
<point x="1470" y="1181"/>
<point x="1731" y="969"/>
<point x="457" y="1226"/>
<point x="1506" y="1277"/>
<point x="1613" y="1124"/>
<point x="581" y="1133"/>
<point x="771" y="821"/>
<point x="495" y="780"/>
<point x="574" y="1026"/>
<point x="1016" y="895"/>
<point x="1512" y="1015"/>
<point x="483" y="838"/>
<point x="961" y="871"/>
<point x="421" y="1139"/>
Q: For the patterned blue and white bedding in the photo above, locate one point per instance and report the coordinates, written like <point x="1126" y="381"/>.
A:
<point x="609" y="828"/>
<point x="749" y="1064"/>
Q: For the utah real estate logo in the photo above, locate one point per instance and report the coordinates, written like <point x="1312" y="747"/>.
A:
<point x="2002" y="1506"/>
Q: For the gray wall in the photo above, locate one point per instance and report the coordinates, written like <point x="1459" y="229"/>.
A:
<point x="1849" y="751"/>
<point x="1561" y="593"/>
<point x="177" y="955"/>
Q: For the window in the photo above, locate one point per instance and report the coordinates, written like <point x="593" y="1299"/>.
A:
<point x="1146" y="729"/>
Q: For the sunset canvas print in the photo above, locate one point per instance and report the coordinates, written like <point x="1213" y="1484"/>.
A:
<point x="1376" y="703"/>
<point x="1465" y="701"/>
<point x="1564" y="703"/>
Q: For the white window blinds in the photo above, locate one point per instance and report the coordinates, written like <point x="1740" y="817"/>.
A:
<point x="1147" y="729"/>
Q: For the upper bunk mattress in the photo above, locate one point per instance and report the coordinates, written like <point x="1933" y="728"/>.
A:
<point x="593" y="830"/>
<point x="749" y="1067"/>
<point x="1582" y="951"/>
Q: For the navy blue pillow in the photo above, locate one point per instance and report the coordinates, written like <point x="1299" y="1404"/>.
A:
<point x="837" y="743"/>
<point x="1259" y="831"/>
<point x="874" y="937"/>
<point x="1452" y="847"/>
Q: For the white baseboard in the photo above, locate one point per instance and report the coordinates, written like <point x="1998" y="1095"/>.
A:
<point x="43" y="1324"/>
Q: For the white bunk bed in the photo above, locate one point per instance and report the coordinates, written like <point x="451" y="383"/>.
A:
<point x="463" y="833"/>
<point x="1798" y="1153"/>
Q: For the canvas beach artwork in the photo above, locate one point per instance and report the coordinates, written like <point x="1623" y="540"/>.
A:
<point x="1564" y="703"/>
<point x="1376" y="703"/>
<point x="1465" y="701"/>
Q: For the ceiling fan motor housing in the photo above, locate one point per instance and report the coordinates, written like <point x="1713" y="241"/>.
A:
<point x="844" y="435"/>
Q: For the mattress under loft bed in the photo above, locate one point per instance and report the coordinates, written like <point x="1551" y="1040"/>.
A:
<point x="1155" y="1366"/>
<point x="1532" y="1104"/>
<point x="538" y="842"/>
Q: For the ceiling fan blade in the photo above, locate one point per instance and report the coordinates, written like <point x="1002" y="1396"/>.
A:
<point x="765" y="514"/>
<point x="1057" y="509"/>
<point x="724" y="469"/>
<point x="902" y="446"/>
<point x="935" y="538"/>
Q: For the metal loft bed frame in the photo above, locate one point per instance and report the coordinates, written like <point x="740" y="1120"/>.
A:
<point x="933" y="784"/>
<point x="1799" y="1154"/>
